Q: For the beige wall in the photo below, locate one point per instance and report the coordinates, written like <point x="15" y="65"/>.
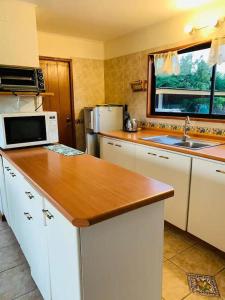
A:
<point x="119" y="72"/>
<point x="18" y="34"/>
<point x="170" y="32"/>
<point x="88" y="90"/>
<point x="127" y="58"/>
<point x="88" y="72"/>
<point x="56" y="45"/>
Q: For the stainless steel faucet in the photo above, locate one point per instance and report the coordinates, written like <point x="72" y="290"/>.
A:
<point x="186" y="129"/>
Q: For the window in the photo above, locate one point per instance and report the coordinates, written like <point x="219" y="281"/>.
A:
<point x="198" y="91"/>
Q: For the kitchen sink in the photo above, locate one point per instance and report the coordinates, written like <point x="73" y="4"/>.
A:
<point x="178" y="142"/>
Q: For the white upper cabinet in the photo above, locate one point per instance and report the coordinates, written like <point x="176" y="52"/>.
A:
<point x="173" y="169"/>
<point x="118" y="152"/>
<point x="207" y="202"/>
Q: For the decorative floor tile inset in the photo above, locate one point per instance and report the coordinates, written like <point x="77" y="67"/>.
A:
<point x="204" y="285"/>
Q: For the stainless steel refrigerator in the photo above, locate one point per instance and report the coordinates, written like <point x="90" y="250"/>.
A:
<point x="101" y="118"/>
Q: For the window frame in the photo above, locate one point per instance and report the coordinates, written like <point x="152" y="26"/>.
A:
<point x="151" y="90"/>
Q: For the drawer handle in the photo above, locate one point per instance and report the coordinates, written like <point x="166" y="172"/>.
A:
<point x="12" y="174"/>
<point x="28" y="216"/>
<point x="110" y="143"/>
<point x="30" y="196"/>
<point x="47" y="214"/>
<point x="7" y="168"/>
<point x="220" y="171"/>
<point x="151" y="153"/>
<point x="118" y="145"/>
<point x="165" y="157"/>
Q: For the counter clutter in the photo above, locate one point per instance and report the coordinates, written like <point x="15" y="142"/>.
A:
<point x="114" y="212"/>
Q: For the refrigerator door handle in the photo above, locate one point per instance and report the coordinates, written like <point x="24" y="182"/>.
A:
<point x="96" y="117"/>
<point x="91" y="120"/>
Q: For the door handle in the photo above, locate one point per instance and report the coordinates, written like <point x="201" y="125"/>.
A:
<point x="220" y="171"/>
<point x="29" y="195"/>
<point x="68" y="119"/>
<point x="47" y="214"/>
<point x="29" y="217"/>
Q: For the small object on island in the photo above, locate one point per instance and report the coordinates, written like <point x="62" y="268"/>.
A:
<point x="139" y="85"/>
<point x="65" y="150"/>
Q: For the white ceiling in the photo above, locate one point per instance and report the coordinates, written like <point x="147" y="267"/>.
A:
<point x="105" y="19"/>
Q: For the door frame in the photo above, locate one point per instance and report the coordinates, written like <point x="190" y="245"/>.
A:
<point x="72" y="105"/>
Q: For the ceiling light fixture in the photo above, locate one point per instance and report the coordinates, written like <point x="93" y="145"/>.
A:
<point x="213" y="23"/>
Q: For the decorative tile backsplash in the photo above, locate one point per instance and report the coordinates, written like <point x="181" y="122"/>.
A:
<point x="179" y="128"/>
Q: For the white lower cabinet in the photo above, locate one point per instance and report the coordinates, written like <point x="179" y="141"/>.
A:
<point x="64" y="254"/>
<point x="207" y="202"/>
<point x="173" y="169"/>
<point x="118" y="152"/>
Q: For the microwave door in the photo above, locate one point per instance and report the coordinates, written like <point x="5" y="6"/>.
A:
<point x="25" y="129"/>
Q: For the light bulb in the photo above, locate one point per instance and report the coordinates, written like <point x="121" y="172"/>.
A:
<point x="188" y="28"/>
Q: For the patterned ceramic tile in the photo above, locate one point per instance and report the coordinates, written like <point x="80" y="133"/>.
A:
<point x="204" y="285"/>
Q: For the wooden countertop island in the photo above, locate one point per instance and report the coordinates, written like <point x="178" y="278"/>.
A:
<point x="51" y="201"/>
<point x="85" y="189"/>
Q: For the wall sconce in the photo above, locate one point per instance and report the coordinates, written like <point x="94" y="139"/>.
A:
<point x="214" y="23"/>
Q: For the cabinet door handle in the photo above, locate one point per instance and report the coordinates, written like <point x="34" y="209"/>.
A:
<point x="220" y="171"/>
<point x="165" y="157"/>
<point x="12" y="174"/>
<point x="47" y="214"/>
<point x="29" y="217"/>
<point x="30" y="196"/>
<point x="7" y="168"/>
<point x="151" y="153"/>
<point x="117" y="145"/>
<point x="110" y="143"/>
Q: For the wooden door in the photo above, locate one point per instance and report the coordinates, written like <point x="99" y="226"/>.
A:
<point x="58" y="80"/>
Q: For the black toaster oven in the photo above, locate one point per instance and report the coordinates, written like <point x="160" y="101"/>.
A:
<point x="15" y="79"/>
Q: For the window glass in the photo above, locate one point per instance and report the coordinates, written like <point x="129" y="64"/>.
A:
<point x="219" y="94"/>
<point x="188" y="92"/>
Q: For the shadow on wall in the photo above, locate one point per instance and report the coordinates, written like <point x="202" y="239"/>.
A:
<point x="80" y="134"/>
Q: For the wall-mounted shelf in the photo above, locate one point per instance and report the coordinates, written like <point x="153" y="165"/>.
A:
<point x="25" y="94"/>
<point x="139" y="85"/>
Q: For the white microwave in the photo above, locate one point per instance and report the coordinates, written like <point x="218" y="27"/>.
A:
<point x="28" y="129"/>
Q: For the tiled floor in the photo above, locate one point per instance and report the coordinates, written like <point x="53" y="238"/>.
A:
<point x="15" y="279"/>
<point x="182" y="254"/>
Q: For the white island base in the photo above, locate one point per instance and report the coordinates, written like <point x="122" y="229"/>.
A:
<point x="121" y="258"/>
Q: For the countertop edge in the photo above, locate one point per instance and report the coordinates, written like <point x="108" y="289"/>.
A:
<point x="167" y="147"/>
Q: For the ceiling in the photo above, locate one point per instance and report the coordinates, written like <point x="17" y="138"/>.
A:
<point x="105" y="19"/>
